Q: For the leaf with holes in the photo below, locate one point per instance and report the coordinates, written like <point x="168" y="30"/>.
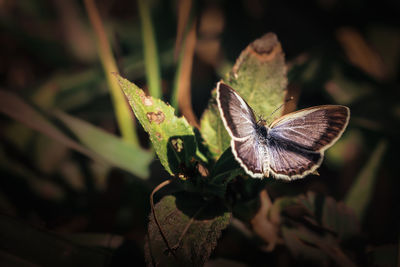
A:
<point x="172" y="137"/>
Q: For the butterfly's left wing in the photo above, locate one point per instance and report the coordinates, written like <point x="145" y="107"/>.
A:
<point x="240" y="122"/>
<point x="237" y="115"/>
<point x="297" y="141"/>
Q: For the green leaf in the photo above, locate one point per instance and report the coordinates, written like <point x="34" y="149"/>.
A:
<point x="121" y="154"/>
<point x="362" y="190"/>
<point x="190" y="224"/>
<point x="172" y="137"/>
<point x="259" y="76"/>
<point x="226" y="168"/>
<point x="213" y="130"/>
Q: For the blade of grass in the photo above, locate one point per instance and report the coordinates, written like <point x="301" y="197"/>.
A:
<point x="181" y="95"/>
<point x="362" y="189"/>
<point x="14" y="107"/>
<point x="124" y="116"/>
<point x="103" y="147"/>
<point x="184" y="7"/>
<point x="150" y="50"/>
<point x="175" y="87"/>
<point x="119" y="153"/>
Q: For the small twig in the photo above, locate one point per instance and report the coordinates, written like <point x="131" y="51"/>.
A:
<point x="158" y="187"/>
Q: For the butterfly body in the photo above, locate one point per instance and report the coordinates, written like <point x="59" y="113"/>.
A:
<point x="290" y="147"/>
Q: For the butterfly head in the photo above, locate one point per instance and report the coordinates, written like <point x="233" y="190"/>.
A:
<point x="261" y="121"/>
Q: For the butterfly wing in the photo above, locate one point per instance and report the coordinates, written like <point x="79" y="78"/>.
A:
<point x="289" y="161"/>
<point x="294" y="145"/>
<point x="297" y="141"/>
<point x="315" y="128"/>
<point x="237" y="115"/>
<point x="240" y="122"/>
<point x="251" y="156"/>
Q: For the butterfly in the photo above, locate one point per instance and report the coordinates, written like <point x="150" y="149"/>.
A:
<point x="289" y="148"/>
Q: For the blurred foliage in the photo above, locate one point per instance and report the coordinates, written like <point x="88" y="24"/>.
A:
<point x="74" y="182"/>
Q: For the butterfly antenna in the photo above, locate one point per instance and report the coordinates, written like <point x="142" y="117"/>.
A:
<point x="278" y="108"/>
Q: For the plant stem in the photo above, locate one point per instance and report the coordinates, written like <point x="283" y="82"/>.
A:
<point x="150" y="51"/>
<point x="124" y="116"/>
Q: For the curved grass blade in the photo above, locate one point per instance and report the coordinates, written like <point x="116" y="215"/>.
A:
<point x="150" y="50"/>
<point x="123" y="115"/>
<point x="14" y="107"/>
<point x="117" y="152"/>
<point x="102" y="146"/>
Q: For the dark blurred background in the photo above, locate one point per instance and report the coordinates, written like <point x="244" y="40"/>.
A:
<point x="338" y="52"/>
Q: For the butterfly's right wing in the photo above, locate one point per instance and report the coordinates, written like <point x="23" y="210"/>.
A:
<point x="289" y="161"/>
<point x="316" y="128"/>
<point x="297" y="141"/>
<point x="240" y="122"/>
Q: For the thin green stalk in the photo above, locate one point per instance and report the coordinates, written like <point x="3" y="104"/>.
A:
<point x="150" y="50"/>
<point x="124" y="116"/>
